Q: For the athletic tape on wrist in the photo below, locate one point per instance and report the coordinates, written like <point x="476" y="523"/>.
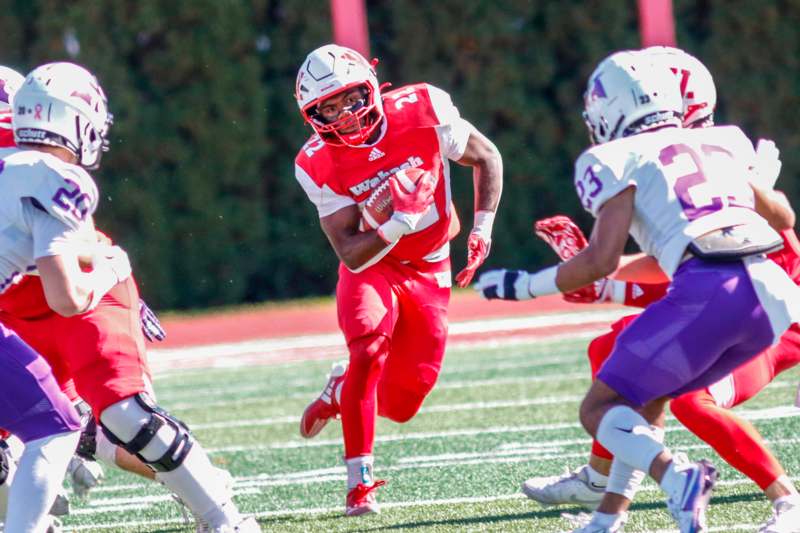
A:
<point x="543" y="282"/>
<point x="482" y="225"/>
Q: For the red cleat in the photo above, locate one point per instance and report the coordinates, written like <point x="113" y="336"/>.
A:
<point x="325" y="406"/>
<point x="361" y="499"/>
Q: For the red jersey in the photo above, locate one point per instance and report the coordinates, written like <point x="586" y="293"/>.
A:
<point x="421" y="128"/>
<point x="788" y="257"/>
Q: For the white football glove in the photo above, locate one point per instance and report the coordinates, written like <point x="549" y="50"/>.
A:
<point x="110" y="265"/>
<point x="505" y="285"/>
<point x="114" y="258"/>
<point x="767" y="164"/>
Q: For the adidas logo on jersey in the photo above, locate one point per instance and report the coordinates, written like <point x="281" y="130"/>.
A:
<point x="375" y="154"/>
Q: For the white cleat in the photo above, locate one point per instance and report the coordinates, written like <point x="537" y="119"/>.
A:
<point x="569" y="488"/>
<point x="689" y="507"/>
<point x="85" y="475"/>
<point x="585" y="523"/>
<point x="785" y="519"/>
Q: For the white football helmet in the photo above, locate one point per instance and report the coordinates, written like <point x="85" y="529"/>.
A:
<point x="62" y="104"/>
<point x="328" y="71"/>
<point x="627" y="94"/>
<point x="10" y="82"/>
<point x="696" y="84"/>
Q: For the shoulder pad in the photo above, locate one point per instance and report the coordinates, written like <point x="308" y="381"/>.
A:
<point x="412" y="106"/>
<point x="67" y="192"/>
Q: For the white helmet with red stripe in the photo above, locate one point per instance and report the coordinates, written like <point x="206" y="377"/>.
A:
<point x="695" y="81"/>
<point x="331" y="70"/>
<point x="62" y="104"/>
<point x="10" y="82"/>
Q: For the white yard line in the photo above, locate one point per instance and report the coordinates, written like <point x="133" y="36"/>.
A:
<point x="444" y="408"/>
<point x="760" y="414"/>
<point x="504" y="453"/>
<point x="237" y="354"/>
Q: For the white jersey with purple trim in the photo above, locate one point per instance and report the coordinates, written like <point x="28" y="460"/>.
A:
<point x="688" y="182"/>
<point x="44" y="200"/>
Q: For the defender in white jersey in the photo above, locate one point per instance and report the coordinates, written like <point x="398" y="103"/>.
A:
<point x="45" y="217"/>
<point x="60" y="122"/>
<point x="683" y="196"/>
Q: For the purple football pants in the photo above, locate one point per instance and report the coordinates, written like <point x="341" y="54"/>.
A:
<point x="709" y="323"/>
<point x="32" y="405"/>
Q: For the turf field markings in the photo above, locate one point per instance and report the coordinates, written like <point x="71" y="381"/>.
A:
<point x="331" y="345"/>
<point x="758" y="414"/>
<point x="649" y="487"/>
<point x="444" y="408"/>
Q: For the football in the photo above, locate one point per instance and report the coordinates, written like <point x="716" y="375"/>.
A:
<point x="379" y="208"/>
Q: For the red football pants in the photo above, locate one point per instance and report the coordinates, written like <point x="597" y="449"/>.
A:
<point x="706" y="412"/>
<point x="394" y="319"/>
<point x="102" y="351"/>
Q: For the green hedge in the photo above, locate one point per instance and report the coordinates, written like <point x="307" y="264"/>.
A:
<point x="199" y="184"/>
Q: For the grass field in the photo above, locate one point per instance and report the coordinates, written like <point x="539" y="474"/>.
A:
<point x="498" y="415"/>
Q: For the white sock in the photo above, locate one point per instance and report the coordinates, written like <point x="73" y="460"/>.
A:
<point x="626" y="480"/>
<point x="39" y="476"/>
<point x="359" y="470"/>
<point x="627" y="435"/>
<point x="596" y="478"/>
<point x="196" y="482"/>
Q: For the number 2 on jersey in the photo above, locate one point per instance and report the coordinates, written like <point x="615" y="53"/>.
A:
<point x="695" y="187"/>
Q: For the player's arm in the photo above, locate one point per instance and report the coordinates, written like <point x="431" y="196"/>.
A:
<point x="354" y="248"/>
<point x="487" y="178"/>
<point x="639" y="268"/>
<point x="487" y="170"/>
<point x="606" y="245"/>
<point x="58" y="249"/>
<point x="359" y="250"/>
<point x="774" y="207"/>
<point x="598" y="260"/>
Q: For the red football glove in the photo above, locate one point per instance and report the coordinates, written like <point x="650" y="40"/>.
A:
<point x="477" y="250"/>
<point x="566" y="239"/>
<point x="415" y="202"/>
<point x="562" y="234"/>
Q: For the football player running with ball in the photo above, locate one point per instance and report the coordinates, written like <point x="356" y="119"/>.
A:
<point x="683" y="194"/>
<point x="394" y="281"/>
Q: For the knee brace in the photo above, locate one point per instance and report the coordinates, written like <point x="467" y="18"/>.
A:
<point x="143" y="429"/>
<point x="87" y="443"/>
